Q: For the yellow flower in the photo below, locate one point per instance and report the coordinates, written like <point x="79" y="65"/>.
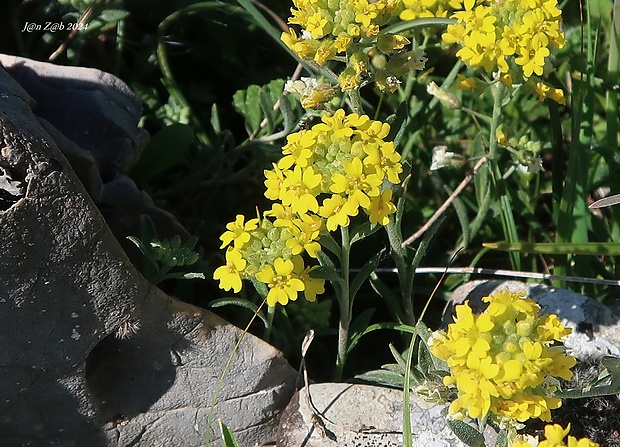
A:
<point x="229" y="275"/>
<point x="312" y="286"/>
<point x="532" y="59"/>
<point x="333" y="169"/>
<point x="381" y="207"/>
<point x="337" y="211"/>
<point x="273" y="182"/>
<point x="238" y="232"/>
<point x="506" y="35"/>
<point x="300" y="188"/>
<point x="544" y="91"/>
<point x="500" y="359"/>
<point x="356" y="184"/>
<point x="317" y="25"/>
<point x="349" y="79"/>
<point x="283" y="285"/>
<point x="554" y="435"/>
<point x="425" y="8"/>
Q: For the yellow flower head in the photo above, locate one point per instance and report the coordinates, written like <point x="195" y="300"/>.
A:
<point x="282" y="282"/>
<point x="339" y="22"/>
<point x="337" y="168"/>
<point x="506" y="34"/>
<point x="554" y="435"/>
<point x="272" y="254"/>
<point x="501" y="360"/>
<point x="229" y="275"/>
<point x="350" y="30"/>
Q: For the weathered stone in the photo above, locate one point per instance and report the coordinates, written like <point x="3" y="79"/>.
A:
<point x="362" y="416"/>
<point x="67" y="292"/>
<point x="596" y="327"/>
<point x="65" y="99"/>
<point x="94" y="109"/>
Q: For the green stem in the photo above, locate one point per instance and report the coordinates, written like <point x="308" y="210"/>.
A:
<point x="612" y="104"/>
<point x="356" y="100"/>
<point x="498" y="94"/>
<point x="345" y="305"/>
<point x="405" y="275"/>
<point x="271" y="312"/>
<point x="613" y="77"/>
<point x="508" y="223"/>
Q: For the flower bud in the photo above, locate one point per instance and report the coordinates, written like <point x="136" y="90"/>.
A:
<point x="388" y="43"/>
<point x="448" y="100"/>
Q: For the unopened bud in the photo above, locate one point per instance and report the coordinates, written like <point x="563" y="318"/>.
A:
<point x="388" y="43"/>
<point x="448" y="100"/>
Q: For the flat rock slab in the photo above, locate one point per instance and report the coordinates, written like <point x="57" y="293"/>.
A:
<point x="596" y="327"/>
<point x="93" y="355"/>
<point x="362" y="416"/>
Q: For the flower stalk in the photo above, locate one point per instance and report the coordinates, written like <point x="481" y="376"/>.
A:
<point x="344" y="303"/>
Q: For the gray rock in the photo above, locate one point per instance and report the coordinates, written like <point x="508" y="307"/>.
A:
<point x="92" y="118"/>
<point x="596" y="327"/>
<point x="362" y="416"/>
<point x="94" y="109"/>
<point x="93" y="354"/>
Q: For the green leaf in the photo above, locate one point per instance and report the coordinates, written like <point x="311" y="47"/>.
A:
<point x="247" y="103"/>
<point x="113" y="15"/>
<point x="287" y="114"/>
<point x="267" y="107"/>
<point x="364" y="273"/>
<point x="327" y="241"/>
<point x="612" y="364"/>
<point x="391" y="300"/>
<point x="466" y="433"/>
<point x="363" y="231"/>
<point x="398" y="123"/>
<point x="383" y="377"/>
<point x="227" y="436"/>
<point x="358" y="326"/>
<point x="167" y="148"/>
<point x="260" y="287"/>
<point x="461" y="212"/>
<point x="328" y="271"/>
<point x="138" y="243"/>
<point x="555" y="248"/>
<point x="425" y="364"/>
<point x="401" y="363"/>
<point x="502" y="438"/>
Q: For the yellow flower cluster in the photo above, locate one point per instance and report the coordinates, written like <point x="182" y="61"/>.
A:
<point x="416" y="9"/>
<point x="507" y="35"/>
<point x="348" y="30"/>
<point x="502" y="361"/>
<point x="343" y="159"/>
<point x="271" y="252"/>
<point x="328" y="173"/>
<point x="555" y="435"/>
<point x="329" y="27"/>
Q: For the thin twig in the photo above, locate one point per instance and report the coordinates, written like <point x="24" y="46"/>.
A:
<point x="442" y="209"/>
<point x="276" y="18"/>
<point x="63" y="46"/>
<point x="318" y="420"/>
